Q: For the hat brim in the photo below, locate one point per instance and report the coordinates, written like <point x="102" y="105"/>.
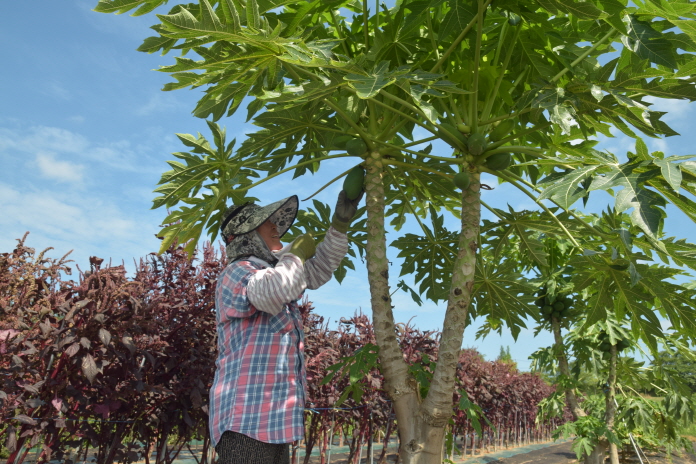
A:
<point x="282" y="213"/>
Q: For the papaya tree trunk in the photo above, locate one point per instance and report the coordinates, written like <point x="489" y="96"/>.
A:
<point x="610" y="414"/>
<point x="421" y="425"/>
<point x="436" y="410"/>
<point x="559" y="350"/>
<point x="399" y="385"/>
<point x="597" y="454"/>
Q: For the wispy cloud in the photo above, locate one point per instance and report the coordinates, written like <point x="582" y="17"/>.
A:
<point x="61" y="171"/>
<point x="88" y="224"/>
<point x="160" y="102"/>
<point x="73" y="148"/>
<point x="42" y="139"/>
<point x="55" y="90"/>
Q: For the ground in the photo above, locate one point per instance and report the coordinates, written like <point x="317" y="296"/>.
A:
<point x="543" y="454"/>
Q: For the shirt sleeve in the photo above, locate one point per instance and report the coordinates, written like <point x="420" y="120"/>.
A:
<point x="271" y="288"/>
<point x="231" y="291"/>
<point x="330" y="252"/>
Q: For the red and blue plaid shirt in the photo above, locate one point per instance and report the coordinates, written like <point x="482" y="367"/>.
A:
<point x="260" y="380"/>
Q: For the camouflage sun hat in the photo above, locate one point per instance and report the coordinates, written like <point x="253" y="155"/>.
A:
<point x="238" y="228"/>
<point x="242" y="219"/>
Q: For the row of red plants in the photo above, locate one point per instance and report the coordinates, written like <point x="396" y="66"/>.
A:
<point x="122" y="366"/>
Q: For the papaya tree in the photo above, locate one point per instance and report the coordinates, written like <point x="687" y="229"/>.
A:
<point x="591" y="295"/>
<point x="516" y="90"/>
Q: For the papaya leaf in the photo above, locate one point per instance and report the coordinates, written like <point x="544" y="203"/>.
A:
<point x="647" y="43"/>
<point x="501" y="293"/>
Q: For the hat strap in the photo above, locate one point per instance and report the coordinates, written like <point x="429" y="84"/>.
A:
<point x="232" y="216"/>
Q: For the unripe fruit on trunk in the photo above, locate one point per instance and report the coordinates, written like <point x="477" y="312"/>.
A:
<point x="353" y="184"/>
<point x="498" y="162"/>
<point x="502" y="131"/>
<point x="356" y="147"/>
<point x="476" y="144"/>
<point x="462" y="180"/>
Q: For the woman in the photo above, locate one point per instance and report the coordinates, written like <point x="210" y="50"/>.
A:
<point x="258" y="395"/>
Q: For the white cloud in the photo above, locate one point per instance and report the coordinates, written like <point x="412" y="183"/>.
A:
<point x="62" y="171"/>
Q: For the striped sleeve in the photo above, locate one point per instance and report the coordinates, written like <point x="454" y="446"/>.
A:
<point x="330" y="252"/>
<point x="271" y="288"/>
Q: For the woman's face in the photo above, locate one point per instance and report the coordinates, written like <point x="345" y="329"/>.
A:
<point x="269" y="233"/>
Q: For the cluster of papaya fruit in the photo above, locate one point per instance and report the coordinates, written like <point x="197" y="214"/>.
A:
<point x="476" y="144"/>
<point x="605" y="343"/>
<point x="559" y="305"/>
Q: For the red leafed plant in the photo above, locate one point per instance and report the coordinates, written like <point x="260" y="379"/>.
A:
<point x="122" y="366"/>
<point x="108" y="362"/>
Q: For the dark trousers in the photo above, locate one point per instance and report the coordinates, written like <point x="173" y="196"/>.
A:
<point x="236" y="448"/>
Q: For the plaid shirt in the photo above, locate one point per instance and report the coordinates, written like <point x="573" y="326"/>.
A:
<point x="260" y="380"/>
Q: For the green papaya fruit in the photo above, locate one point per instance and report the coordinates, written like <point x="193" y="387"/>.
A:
<point x="339" y="143"/>
<point x="354" y="181"/>
<point x="540" y="302"/>
<point x="460" y="140"/>
<point x="502" y="130"/>
<point x="476" y="144"/>
<point x="356" y="147"/>
<point x="498" y="162"/>
<point x="547" y="310"/>
<point x="620" y="264"/>
<point x="558" y="306"/>
<point x="605" y="346"/>
<point x="462" y="180"/>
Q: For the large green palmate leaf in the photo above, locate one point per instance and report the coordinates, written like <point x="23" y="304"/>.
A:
<point x="520" y="226"/>
<point x="647" y="43"/>
<point x="610" y="292"/>
<point x="424" y="191"/>
<point x="566" y="188"/>
<point x="676" y="302"/>
<point x="429" y="258"/>
<point x="501" y="294"/>
<point x="647" y="205"/>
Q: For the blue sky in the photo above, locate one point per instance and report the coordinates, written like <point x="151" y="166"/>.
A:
<point x="85" y="132"/>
